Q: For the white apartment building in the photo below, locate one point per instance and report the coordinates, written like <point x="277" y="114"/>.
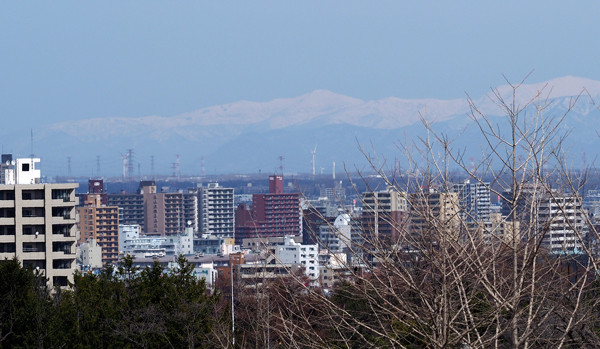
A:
<point x="306" y="256"/>
<point x="37" y="221"/>
<point x="159" y="246"/>
<point x="474" y="200"/>
<point x="216" y="210"/>
<point x="336" y="237"/>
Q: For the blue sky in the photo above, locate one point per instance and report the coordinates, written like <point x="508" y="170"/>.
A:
<point x="72" y="60"/>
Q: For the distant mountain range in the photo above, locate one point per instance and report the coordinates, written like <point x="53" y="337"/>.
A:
<point x="249" y="136"/>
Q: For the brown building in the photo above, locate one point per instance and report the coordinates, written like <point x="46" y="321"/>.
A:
<point x="100" y="223"/>
<point x="156" y="212"/>
<point x="434" y="214"/>
<point x="384" y="214"/>
<point x="169" y="213"/>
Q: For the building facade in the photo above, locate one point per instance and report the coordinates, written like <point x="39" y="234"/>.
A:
<point x="273" y="214"/>
<point x="158" y="213"/>
<point x="216" y="210"/>
<point x="474" y="200"/>
<point x="384" y="213"/>
<point x="37" y="223"/>
<point x="100" y="223"/>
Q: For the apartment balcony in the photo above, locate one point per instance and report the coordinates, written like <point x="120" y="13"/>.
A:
<point x="36" y="220"/>
<point x="7" y="203"/>
<point x="32" y="203"/>
<point x="7" y="238"/>
<point x="7" y="220"/>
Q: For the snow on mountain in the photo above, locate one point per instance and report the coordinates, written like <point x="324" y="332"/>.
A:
<point x="239" y="133"/>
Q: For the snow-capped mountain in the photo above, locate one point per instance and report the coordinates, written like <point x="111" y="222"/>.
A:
<point x="247" y="136"/>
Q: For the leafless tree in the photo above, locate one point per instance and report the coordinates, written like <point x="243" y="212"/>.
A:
<point x="444" y="278"/>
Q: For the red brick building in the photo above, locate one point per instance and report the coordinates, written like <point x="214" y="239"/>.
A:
<point x="273" y="214"/>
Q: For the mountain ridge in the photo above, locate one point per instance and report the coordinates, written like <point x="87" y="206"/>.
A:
<point x="322" y="117"/>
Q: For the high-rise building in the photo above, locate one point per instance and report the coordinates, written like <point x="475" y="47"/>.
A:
<point x="384" y="213"/>
<point x="100" y="223"/>
<point x="554" y="218"/>
<point x="37" y="222"/>
<point x="158" y="213"/>
<point x="433" y="215"/>
<point x="216" y="210"/>
<point x="273" y="214"/>
<point x="474" y="200"/>
<point x="131" y="205"/>
<point x="169" y="213"/>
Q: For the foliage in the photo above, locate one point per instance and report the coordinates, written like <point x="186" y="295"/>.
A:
<point x="149" y="308"/>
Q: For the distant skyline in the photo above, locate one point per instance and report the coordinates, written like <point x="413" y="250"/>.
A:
<point x="73" y="60"/>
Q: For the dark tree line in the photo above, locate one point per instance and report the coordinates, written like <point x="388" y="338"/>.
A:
<point x="123" y="308"/>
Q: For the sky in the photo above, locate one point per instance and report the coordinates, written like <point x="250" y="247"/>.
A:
<point x="64" y="60"/>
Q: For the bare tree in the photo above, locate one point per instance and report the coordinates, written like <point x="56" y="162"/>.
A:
<point x="444" y="277"/>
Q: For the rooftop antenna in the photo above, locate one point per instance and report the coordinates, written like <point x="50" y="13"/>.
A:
<point x="314" y="153"/>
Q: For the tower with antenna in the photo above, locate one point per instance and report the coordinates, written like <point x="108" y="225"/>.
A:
<point x="98" y="165"/>
<point x="202" y="167"/>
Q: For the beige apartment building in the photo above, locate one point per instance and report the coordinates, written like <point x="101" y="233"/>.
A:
<point x="37" y="221"/>
<point x="100" y="223"/>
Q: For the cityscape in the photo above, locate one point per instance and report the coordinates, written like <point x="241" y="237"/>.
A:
<point x="276" y="175"/>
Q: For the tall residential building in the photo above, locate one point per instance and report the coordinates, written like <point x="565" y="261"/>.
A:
<point x="131" y="206"/>
<point x="474" y="200"/>
<point x="100" y="223"/>
<point x="433" y="215"/>
<point x="216" y="210"/>
<point x="158" y="213"/>
<point x="169" y="213"/>
<point x="37" y="222"/>
<point x="557" y="218"/>
<point x="273" y="214"/>
<point x="384" y="213"/>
